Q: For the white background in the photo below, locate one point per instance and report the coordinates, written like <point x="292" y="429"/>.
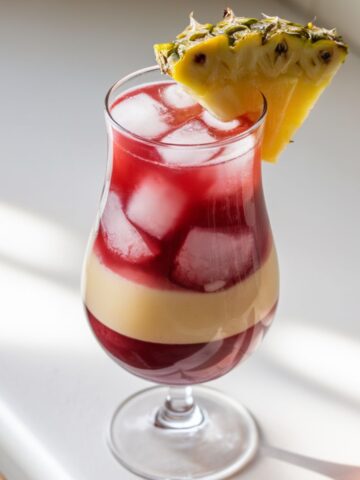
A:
<point x="57" y="388"/>
<point x="343" y="14"/>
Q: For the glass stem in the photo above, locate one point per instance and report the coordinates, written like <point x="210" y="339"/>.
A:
<point x="179" y="410"/>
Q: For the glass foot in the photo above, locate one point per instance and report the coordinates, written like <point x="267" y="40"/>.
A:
<point x="221" y="442"/>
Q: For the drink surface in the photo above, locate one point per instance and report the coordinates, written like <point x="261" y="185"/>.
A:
<point x="166" y="113"/>
<point x="181" y="277"/>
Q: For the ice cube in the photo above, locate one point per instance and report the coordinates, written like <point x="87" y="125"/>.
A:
<point x="234" y="170"/>
<point x="156" y="206"/>
<point x="142" y="115"/>
<point x="176" y="97"/>
<point x="209" y="260"/>
<point x="192" y="133"/>
<point x="240" y="147"/>
<point x="214" y="122"/>
<point x="230" y="178"/>
<point x="121" y="236"/>
<point x="213" y="287"/>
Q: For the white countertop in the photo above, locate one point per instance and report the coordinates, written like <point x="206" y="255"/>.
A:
<point x="57" y="388"/>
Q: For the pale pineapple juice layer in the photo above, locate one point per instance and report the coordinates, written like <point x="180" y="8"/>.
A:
<point x="180" y="317"/>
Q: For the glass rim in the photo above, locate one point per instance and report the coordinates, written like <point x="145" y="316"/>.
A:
<point x="159" y="143"/>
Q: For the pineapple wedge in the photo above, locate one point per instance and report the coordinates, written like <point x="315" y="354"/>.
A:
<point x="291" y="64"/>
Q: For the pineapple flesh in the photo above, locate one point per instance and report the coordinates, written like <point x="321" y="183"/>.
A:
<point x="291" y="64"/>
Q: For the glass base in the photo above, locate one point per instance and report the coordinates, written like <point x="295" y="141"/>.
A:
<point x="222" y="443"/>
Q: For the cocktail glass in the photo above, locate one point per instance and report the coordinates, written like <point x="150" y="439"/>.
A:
<point x="180" y="278"/>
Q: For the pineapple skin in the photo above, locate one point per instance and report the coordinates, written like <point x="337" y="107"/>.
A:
<point x="290" y="64"/>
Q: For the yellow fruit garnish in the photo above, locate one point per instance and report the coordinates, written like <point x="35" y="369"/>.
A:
<point x="291" y="64"/>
